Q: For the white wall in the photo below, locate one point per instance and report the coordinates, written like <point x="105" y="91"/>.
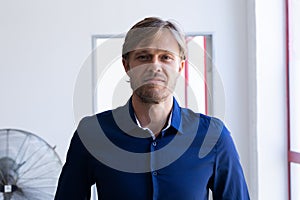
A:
<point x="271" y="100"/>
<point x="43" y="45"/>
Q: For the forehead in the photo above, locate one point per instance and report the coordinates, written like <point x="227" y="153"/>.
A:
<point x="163" y="41"/>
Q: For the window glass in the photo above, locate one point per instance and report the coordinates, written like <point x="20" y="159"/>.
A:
<point x="295" y="181"/>
<point x="294" y="73"/>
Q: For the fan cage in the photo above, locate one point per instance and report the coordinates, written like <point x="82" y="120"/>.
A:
<point x="29" y="166"/>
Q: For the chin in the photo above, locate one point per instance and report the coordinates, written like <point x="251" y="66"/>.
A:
<point x="152" y="98"/>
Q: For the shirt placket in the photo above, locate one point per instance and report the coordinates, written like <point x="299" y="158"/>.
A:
<point x="154" y="171"/>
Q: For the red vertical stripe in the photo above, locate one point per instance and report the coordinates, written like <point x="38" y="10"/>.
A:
<point x="186" y="82"/>
<point x="288" y="95"/>
<point x="205" y="74"/>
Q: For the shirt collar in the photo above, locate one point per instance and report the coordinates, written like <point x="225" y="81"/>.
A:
<point x="125" y="120"/>
<point x="174" y="118"/>
<point x="151" y="133"/>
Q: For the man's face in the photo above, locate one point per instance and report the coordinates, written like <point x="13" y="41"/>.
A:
<point x="154" y="67"/>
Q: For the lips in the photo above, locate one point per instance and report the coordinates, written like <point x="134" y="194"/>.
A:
<point x="154" y="80"/>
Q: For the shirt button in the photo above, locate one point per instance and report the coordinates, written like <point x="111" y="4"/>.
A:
<point x="154" y="144"/>
<point x="154" y="173"/>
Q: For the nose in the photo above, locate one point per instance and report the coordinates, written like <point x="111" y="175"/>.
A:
<point x="156" y="65"/>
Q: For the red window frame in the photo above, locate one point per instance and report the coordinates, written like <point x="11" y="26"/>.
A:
<point x="293" y="157"/>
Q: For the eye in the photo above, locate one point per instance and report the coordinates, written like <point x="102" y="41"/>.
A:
<point x="167" y="58"/>
<point x="143" y="57"/>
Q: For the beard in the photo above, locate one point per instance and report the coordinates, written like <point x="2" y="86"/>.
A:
<point x="152" y="94"/>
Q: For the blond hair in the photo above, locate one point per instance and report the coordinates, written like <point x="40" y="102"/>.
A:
<point x="147" y="30"/>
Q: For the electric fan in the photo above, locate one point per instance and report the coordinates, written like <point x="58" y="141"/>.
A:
<point x="29" y="167"/>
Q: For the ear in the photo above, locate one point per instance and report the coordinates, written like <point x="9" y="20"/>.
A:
<point x="181" y="65"/>
<point x="125" y="65"/>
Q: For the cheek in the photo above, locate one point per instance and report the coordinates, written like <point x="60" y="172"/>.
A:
<point x="172" y="72"/>
<point x="135" y="74"/>
<point x="137" y="71"/>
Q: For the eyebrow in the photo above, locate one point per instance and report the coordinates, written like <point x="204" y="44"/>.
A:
<point x="137" y="52"/>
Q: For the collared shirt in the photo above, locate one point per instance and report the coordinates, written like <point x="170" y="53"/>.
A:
<point x="149" y="130"/>
<point x="195" y="154"/>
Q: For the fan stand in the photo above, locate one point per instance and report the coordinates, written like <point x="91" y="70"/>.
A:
<point x="8" y="191"/>
<point x="7" y="196"/>
<point x="9" y="176"/>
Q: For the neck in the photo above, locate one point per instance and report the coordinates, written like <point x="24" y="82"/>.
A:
<point x="152" y="115"/>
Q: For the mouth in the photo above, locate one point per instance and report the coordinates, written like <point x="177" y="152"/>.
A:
<point x="154" y="81"/>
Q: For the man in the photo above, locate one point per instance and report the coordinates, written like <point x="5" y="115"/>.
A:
<point x="151" y="148"/>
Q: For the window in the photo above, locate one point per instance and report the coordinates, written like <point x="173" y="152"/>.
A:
<point x="293" y="97"/>
<point x="193" y="89"/>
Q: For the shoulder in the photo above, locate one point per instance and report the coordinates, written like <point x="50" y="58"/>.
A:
<point x="211" y="131"/>
<point x="109" y="119"/>
<point x="90" y="122"/>
<point x="204" y="121"/>
<point x="99" y="116"/>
